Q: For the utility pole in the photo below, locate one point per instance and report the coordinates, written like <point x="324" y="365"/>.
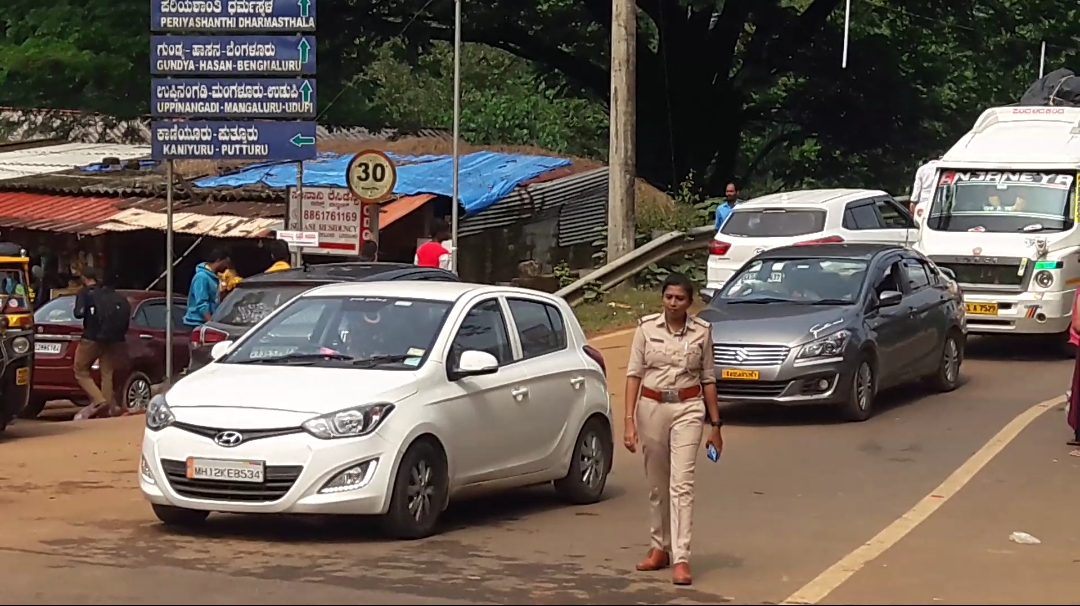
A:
<point x="622" y="127"/>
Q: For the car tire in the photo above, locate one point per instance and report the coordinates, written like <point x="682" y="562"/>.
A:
<point x="860" y="402"/>
<point x="33" y="408"/>
<point x="179" y="517"/>
<point x="584" y="483"/>
<point x="138" y="389"/>
<point x="947" y="376"/>
<point x="419" y="493"/>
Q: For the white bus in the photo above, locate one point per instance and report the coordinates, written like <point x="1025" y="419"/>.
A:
<point x="1004" y="219"/>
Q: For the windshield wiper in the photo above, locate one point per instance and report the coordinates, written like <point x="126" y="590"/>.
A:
<point x="830" y="302"/>
<point x="297" y="357"/>
<point x="761" y="300"/>
<point x="384" y="359"/>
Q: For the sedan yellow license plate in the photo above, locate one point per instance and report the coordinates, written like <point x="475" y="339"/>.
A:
<point x="982" y="309"/>
<point x="22" y="376"/>
<point x="739" y="374"/>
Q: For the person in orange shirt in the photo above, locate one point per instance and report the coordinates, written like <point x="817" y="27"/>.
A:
<point x="279" y="251"/>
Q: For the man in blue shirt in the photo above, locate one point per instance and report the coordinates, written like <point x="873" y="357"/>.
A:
<point x="206" y="288"/>
<point x="731" y="198"/>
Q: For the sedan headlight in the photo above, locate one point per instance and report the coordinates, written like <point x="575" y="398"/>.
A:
<point x="348" y="423"/>
<point x="831" y="346"/>
<point x="20" y="345"/>
<point x="158" y="414"/>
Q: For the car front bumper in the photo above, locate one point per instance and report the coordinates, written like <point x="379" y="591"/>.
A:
<point x="820" y="382"/>
<point x="297" y="466"/>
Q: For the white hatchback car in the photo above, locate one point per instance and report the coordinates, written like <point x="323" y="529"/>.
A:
<point x="384" y="398"/>
<point x="813" y="216"/>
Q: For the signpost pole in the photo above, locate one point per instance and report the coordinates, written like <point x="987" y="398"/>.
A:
<point x="169" y="255"/>
<point x="457" y="137"/>
<point x="298" y="253"/>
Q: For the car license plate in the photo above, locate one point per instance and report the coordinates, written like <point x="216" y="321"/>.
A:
<point x="982" y="309"/>
<point x="739" y="374"/>
<point x="221" y="470"/>
<point x="22" y="376"/>
<point x="47" y="348"/>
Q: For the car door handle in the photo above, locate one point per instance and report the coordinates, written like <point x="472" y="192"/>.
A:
<point x="519" y="393"/>
<point x="577" y="382"/>
<point x="146" y="337"/>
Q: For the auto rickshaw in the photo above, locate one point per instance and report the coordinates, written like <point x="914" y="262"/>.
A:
<point x="16" y="331"/>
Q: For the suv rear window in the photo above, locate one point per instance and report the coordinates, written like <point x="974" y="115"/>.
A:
<point x="247" y="305"/>
<point x="773" y="223"/>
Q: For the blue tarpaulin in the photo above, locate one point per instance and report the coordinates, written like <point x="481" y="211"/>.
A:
<point x="485" y="177"/>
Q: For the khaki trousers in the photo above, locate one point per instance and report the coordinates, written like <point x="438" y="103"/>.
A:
<point x="670" y="436"/>
<point x="109" y="356"/>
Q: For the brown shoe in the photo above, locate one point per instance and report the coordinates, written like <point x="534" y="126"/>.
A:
<point x="654" y="560"/>
<point x="681" y="574"/>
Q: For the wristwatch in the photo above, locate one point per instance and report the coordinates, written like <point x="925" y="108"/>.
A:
<point x="716" y="423"/>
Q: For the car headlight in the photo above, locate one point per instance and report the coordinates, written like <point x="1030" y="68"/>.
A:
<point x="20" y="345"/>
<point x="1044" y="279"/>
<point x="348" y="423"/>
<point x="831" y="346"/>
<point x="158" y="414"/>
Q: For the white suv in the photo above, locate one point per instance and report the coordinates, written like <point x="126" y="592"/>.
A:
<point x="811" y="216"/>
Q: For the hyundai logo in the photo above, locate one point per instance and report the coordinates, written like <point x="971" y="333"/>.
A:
<point x="742" y="355"/>
<point x="229" y="439"/>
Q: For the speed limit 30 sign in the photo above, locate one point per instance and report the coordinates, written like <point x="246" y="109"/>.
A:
<point x="371" y="176"/>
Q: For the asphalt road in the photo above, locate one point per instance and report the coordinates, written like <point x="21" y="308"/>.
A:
<point x="793" y="495"/>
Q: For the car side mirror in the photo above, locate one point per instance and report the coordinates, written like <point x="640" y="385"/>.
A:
<point x="948" y="272"/>
<point x="219" y="350"/>
<point x="890" y="298"/>
<point x="707" y="294"/>
<point x="473" y="363"/>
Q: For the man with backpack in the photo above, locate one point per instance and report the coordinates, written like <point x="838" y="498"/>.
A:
<point x="106" y="315"/>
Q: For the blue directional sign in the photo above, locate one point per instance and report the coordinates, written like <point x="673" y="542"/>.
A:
<point x="252" y="140"/>
<point x="234" y="98"/>
<point x="232" y="55"/>
<point x="232" y="15"/>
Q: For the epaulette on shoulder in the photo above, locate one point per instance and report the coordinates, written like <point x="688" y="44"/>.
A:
<point x="700" y="322"/>
<point x="647" y="318"/>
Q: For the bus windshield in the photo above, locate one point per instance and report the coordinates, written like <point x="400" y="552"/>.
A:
<point x="1003" y="202"/>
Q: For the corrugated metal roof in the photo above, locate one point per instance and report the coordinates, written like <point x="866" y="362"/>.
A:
<point x="539" y="199"/>
<point x="54" y="213"/>
<point x="59" y="158"/>
<point x="221" y="226"/>
<point x="392" y="211"/>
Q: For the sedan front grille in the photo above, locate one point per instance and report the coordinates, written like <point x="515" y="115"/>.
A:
<point x="733" y="390"/>
<point x="279" y="479"/>
<point x="749" y="355"/>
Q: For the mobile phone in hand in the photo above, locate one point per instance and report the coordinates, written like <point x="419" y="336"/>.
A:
<point x="712" y="453"/>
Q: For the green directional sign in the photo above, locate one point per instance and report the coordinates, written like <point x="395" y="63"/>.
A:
<point x="305" y="8"/>
<point x="305" y="50"/>
<point x="302" y="141"/>
<point x="305" y="91"/>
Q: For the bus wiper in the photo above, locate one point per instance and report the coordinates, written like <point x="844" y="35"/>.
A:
<point x="297" y="357"/>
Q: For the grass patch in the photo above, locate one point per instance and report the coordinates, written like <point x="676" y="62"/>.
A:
<point x="618" y="310"/>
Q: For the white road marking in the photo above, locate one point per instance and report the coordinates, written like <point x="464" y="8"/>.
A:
<point x="836" y="575"/>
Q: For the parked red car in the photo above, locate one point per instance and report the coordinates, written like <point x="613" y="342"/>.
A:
<point x="57" y="334"/>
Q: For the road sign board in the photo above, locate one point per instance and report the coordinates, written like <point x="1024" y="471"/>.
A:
<point x="232" y="55"/>
<point x="233" y="16"/>
<point x="250" y="140"/>
<point x="239" y="98"/>
<point x="341" y="220"/>
<point x="371" y="176"/>
<point x="300" y="239"/>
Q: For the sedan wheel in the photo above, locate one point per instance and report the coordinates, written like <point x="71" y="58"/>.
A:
<point x="860" y="403"/>
<point x="947" y="377"/>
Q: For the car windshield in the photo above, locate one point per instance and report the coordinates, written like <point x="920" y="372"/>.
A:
<point x="1003" y="202"/>
<point x="773" y="223"/>
<point x="60" y="309"/>
<point x="387" y="332"/>
<point x="247" y="305"/>
<point x="823" y="281"/>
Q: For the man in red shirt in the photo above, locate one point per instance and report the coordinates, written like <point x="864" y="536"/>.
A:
<point x="433" y="253"/>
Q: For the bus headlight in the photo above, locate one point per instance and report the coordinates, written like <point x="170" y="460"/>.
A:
<point x="1044" y="279"/>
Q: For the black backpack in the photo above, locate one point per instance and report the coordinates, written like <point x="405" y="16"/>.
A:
<point x="112" y="315"/>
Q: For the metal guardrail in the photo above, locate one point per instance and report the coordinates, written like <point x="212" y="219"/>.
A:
<point x="614" y="273"/>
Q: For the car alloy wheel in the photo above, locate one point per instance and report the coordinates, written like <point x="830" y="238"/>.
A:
<point x="593" y="462"/>
<point x="138" y="393"/>
<point x="952" y="360"/>
<point x="864" y="385"/>
<point x="421" y="491"/>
